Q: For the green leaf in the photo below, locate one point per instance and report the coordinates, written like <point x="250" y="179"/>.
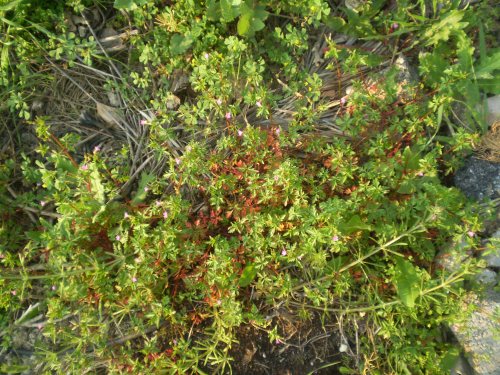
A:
<point x="213" y="10"/>
<point x="180" y="44"/>
<point x="124" y="4"/>
<point x="334" y="23"/>
<point x="411" y="158"/>
<point x="141" y="193"/>
<point x="252" y="19"/>
<point x="248" y="274"/>
<point x="9" y="6"/>
<point x="353" y="225"/>
<point x="441" y="31"/>
<point x="261" y="13"/>
<point x="244" y="23"/>
<point x="407" y="282"/>
<point x="257" y="25"/>
<point x="488" y="65"/>
<point x="407" y="187"/>
<point x="97" y="187"/>
<point x="227" y="10"/>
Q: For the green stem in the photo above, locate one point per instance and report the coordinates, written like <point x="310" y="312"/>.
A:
<point x="363" y="258"/>
<point x="348" y="310"/>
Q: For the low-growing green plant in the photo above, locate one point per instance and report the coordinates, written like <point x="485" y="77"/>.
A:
<point x="125" y="268"/>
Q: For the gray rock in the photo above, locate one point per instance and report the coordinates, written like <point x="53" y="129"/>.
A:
<point x="492" y="256"/>
<point x="479" y="179"/>
<point x="493" y="109"/>
<point x="487" y="277"/>
<point x="406" y="72"/>
<point x="479" y="335"/>
<point x="452" y="256"/>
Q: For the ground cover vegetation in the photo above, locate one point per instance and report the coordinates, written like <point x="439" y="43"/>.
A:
<point x="214" y="180"/>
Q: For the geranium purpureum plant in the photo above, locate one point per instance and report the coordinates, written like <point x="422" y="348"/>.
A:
<point x="248" y="162"/>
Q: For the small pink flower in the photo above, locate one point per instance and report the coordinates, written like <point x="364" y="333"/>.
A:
<point x="158" y="203"/>
<point x="43" y="203"/>
<point x="53" y="287"/>
<point x="420" y="174"/>
<point x="258" y="103"/>
<point x="177" y="161"/>
<point x="240" y="133"/>
<point x="85" y="167"/>
<point x="206" y="56"/>
<point x="343" y="100"/>
<point x="174" y="341"/>
<point x="126" y="215"/>
<point x="146" y="189"/>
<point x="2" y="256"/>
<point x="97" y="149"/>
<point x="395" y="26"/>
<point x="276" y="178"/>
<point x="165" y="214"/>
<point x="143" y="122"/>
<point x="40" y="327"/>
<point x="118" y="237"/>
<point x="228" y="115"/>
<point x="13" y="292"/>
<point x="278" y="341"/>
<point x="134" y="279"/>
<point x="219" y="302"/>
<point x="335" y="238"/>
<point x="283" y="252"/>
<point x="219" y="101"/>
<point x="471" y="234"/>
<point x="277" y="131"/>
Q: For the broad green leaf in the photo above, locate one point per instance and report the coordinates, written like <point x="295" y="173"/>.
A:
<point x="261" y="13"/>
<point x="488" y="66"/>
<point x="244" y="23"/>
<point x="252" y="19"/>
<point x="124" y="4"/>
<point x="248" y="274"/>
<point x="407" y="282"/>
<point x="213" y="10"/>
<point x="97" y="187"/>
<point x="441" y="31"/>
<point x="227" y="10"/>
<point x="257" y="25"/>
<point x="141" y="194"/>
<point x="180" y="44"/>
<point x="353" y="225"/>
<point x="334" y="23"/>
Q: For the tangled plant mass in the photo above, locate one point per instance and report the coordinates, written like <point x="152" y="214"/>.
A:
<point x="210" y="210"/>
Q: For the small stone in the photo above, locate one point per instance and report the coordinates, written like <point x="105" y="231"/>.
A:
<point x="492" y="256"/>
<point x="487" y="277"/>
<point x="82" y="31"/>
<point x="493" y="109"/>
<point x="479" y="179"/>
<point x="478" y="335"/>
